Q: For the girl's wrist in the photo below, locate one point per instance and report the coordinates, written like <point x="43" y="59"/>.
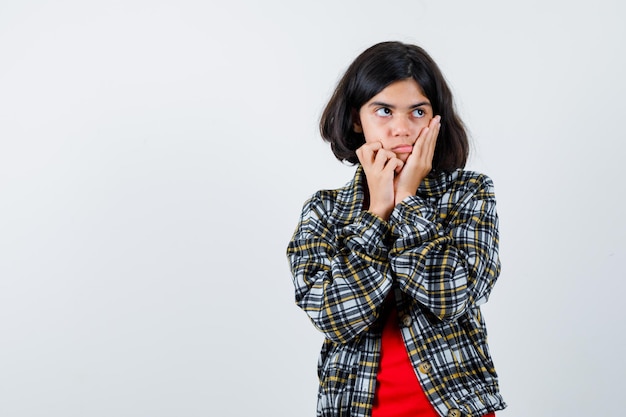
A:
<point x="382" y="212"/>
<point x="401" y="195"/>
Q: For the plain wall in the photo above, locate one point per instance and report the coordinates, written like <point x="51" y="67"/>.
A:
<point x="155" y="155"/>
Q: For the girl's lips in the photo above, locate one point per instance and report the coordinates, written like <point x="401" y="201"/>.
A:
<point x="403" y="149"/>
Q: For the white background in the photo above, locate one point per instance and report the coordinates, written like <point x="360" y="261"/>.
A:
<point x="154" y="157"/>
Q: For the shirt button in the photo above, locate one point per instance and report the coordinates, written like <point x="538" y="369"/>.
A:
<point x="425" y="367"/>
<point x="407" y="320"/>
<point x="453" y="412"/>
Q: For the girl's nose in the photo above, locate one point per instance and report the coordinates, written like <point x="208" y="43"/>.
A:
<point x="401" y="127"/>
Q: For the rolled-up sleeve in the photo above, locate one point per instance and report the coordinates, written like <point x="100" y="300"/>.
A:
<point x="340" y="275"/>
<point x="446" y="257"/>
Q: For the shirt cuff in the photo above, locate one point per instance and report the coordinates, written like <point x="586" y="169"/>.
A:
<point x="414" y="220"/>
<point x="411" y="209"/>
<point x="368" y="234"/>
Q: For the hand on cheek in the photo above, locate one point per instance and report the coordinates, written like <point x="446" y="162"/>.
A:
<point x="381" y="167"/>
<point x="419" y="163"/>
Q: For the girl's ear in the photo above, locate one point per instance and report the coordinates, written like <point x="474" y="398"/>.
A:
<point x="356" y="124"/>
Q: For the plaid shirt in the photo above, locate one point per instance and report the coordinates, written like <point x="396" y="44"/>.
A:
<point x="436" y="258"/>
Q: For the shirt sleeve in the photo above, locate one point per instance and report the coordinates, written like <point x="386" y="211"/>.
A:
<point x="340" y="276"/>
<point x="446" y="257"/>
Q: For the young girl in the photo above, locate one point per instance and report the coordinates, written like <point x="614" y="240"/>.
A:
<point x="393" y="267"/>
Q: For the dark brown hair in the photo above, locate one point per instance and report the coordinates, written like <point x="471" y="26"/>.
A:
<point x="372" y="71"/>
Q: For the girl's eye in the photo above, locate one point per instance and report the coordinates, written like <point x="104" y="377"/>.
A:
<point x="419" y="113"/>
<point x="383" y="111"/>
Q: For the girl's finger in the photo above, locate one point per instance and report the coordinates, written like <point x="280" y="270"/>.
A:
<point x="422" y="141"/>
<point x="367" y="152"/>
<point x="436" y="122"/>
<point x="382" y="157"/>
<point x="394" y="165"/>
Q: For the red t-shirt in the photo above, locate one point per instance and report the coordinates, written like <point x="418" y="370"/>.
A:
<point x="398" y="391"/>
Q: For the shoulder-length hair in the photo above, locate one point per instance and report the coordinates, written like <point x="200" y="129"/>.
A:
<point x="372" y="71"/>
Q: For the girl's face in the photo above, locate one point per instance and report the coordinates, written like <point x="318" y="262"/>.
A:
<point x="395" y="117"/>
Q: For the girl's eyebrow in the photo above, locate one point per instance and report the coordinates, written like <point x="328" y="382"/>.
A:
<point x="382" y="104"/>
